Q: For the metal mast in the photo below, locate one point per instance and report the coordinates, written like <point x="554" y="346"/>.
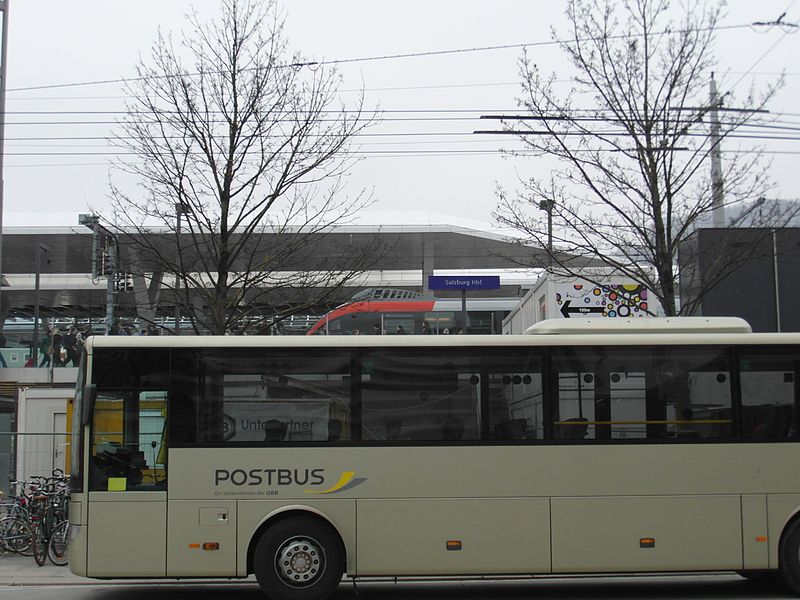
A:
<point x="717" y="192"/>
<point x="3" y="71"/>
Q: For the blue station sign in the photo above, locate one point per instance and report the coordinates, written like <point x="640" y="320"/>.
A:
<point x="463" y="282"/>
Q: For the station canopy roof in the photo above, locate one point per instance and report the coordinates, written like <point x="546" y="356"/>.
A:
<point x="67" y="289"/>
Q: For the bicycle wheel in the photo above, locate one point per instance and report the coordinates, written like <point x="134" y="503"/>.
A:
<point x="15" y="535"/>
<point x="39" y="545"/>
<point x="57" y="546"/>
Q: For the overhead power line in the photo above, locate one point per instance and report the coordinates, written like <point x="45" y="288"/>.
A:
<point x="390" y="88"/>
<point x="382" y="57"/>
<point x="438" y="154"/>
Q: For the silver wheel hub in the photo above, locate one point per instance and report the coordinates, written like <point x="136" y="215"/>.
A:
<point x="300" y="561"/>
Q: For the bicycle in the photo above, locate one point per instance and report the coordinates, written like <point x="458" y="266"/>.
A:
<point x="35" y="521"/>
<point x="15" y="531"/>
<point x="15" y="535"/>
<point x="58" y="544"/>
<point x="48" y="515"/>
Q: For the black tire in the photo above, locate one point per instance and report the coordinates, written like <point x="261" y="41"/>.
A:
<point x="15" y="535"/>
<point x="299" y="558"/>
<point x="39" y="546"/>
<point x="789" y="556"/>
<point x="58" y="545"/>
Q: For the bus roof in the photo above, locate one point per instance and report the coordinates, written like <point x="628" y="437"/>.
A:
<point x="578" y="337"/>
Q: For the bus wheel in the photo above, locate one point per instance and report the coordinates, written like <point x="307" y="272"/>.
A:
<point x="789" y="556"/>
<point x="299" y="558"/>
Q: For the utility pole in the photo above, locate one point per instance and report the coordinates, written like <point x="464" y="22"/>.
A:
<point x="717" y="192"/>
<point x="111" y="289"/>
<point x="3" y="72"/>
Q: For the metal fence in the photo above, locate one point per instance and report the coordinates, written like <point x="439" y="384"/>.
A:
<point x="23" y="455"/>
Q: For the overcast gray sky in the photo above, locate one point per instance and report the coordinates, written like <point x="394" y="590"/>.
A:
<point x="436" y="165"/>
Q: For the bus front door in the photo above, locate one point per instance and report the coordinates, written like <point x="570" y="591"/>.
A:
<point x="127" y="485"/>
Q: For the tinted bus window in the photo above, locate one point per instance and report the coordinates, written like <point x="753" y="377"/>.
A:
<point x="420" y="395"/>
<point x="450" y="395"/>
<point x="770" y="397"/>
<point x="642" y="393"/>
<point x="515" y="394"/>
<point x="600" y="393"/>
<point x="697" y="391"/>
<point x="131" y="368"/>
<point x="261" y="396"/>
<point x="128" y="444"/>
<point x="128" y="438"/>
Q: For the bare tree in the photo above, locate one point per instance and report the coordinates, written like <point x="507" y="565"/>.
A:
<point x="633" y="177"/>
<point x="243" y="148"/>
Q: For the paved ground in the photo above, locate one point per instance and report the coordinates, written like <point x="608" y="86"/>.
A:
<point x="21" y="579"/>
<point x="23" y="570"/>
<point x="32" y="581"/>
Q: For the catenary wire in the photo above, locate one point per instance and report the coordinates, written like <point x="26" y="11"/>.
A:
<point x="425" y="54"/>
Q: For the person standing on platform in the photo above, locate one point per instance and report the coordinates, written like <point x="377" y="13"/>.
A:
<point x="69" y="345"/>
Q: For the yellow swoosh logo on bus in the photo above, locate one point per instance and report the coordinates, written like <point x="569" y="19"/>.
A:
<point x="346" y="481"/>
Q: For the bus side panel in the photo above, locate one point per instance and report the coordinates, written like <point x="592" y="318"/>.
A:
<point x="127" y="534"/>
<point x="667" y="533"/>
<point x="754" y="531"/>
<point x="410" y="537"/>
<point x="77" y="545"/>
<point x="780" y="508"/>
<point x="192" y="525"/>
<point x="339" y="513"/>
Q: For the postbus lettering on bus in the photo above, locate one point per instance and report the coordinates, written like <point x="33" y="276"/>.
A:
<point x="280" y="477"/>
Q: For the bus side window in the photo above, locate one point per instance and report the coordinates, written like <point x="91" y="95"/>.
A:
<point x="516" y="395"/>
<point x="261" y="396"/>
<point x="182" y="419"/>
<point x="128" y="444"/>
<point x="698" y="392"/>
<point x="579" y="397"/>
<point x="408" y="395"/>
<point x="768" y="383"/>
<point x="660" y="393"/>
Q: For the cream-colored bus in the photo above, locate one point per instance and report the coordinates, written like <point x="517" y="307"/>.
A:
<point x="603" y="446"/>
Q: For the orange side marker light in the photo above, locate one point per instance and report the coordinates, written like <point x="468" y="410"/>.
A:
<point x="761" y="538"/>
<point x="210" y="545"/>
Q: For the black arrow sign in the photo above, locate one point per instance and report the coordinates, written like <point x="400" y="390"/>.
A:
<point x="582" y="310"/>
